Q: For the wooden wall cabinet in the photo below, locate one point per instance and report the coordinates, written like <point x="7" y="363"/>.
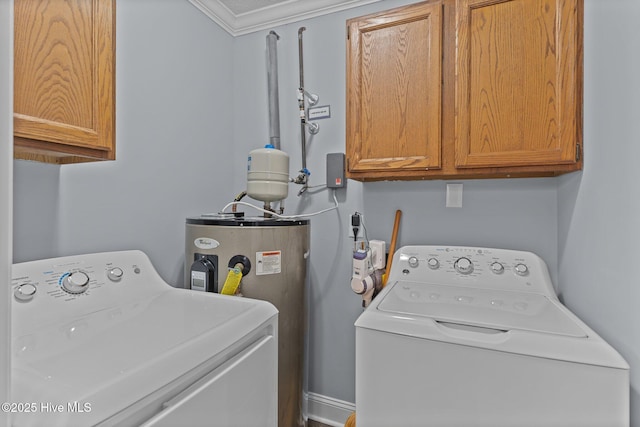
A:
<point x="64" y="80"/>
<point x="394" y="90"/>
<point x="465" y="89"/>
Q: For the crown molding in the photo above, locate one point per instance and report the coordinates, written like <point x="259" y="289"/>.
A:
<point x="271" y="16"/>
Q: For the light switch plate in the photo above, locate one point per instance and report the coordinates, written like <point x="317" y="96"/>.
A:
<point x="454" y="196"/>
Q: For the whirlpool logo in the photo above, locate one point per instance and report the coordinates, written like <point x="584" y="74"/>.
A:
<point x="206" y="243"/>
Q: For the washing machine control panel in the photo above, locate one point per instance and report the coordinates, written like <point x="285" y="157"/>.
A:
<point x="46" y="291"/>
<point x="484" y="268"/>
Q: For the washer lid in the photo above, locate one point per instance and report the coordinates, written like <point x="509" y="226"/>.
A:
<point x="500" y="310"/>
<point x="115" y="357"/>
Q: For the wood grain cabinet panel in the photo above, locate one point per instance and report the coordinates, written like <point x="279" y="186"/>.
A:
<point x="517" y="83"/>
<point x="394" y="90"/>
<point x="64" y="80"/>
<point x="465" y="89"/>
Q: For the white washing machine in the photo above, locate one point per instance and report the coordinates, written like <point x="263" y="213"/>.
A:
<point x="102" y="340"/>
<point x="476" y="337"/>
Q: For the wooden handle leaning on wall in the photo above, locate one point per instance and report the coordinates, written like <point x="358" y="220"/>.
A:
<point x="351" y="421"/>
<point x="392" y="247"/>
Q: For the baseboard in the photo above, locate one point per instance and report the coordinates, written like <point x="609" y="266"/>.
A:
<point x="327" y="410"/>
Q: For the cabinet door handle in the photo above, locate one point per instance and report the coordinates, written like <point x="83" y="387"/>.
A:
<point x="578" y="152"/>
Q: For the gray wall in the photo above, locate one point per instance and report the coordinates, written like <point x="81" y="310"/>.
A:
<point x="518" y="214"/>
<point x="36" y="204"/>
<point x="173" y="137"/>
<point x="599" y="209"/>
<point x="192" y="102"/>
<point x="174" y="140"/>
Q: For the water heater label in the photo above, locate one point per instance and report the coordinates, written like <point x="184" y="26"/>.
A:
<point x="206" y="243"/>
<point x="268" y="262"/>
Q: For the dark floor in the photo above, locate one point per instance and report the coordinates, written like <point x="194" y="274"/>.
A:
<point x="312" y="423"/>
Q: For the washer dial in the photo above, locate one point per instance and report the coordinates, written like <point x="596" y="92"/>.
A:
<point x="497" y="268"/>
<point x="413" y="262"/>
<point x="76" y="282"/>
<point x="521" y="269"/>
<point x="25" y="292"/>
<point x="433" y="263"/>
<point x="115" y="274"/>
<point x="463" y="265"/>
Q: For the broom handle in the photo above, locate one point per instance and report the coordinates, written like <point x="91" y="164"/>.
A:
<point x="392" y="247"/>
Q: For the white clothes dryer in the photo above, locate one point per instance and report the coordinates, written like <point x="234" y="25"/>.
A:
<point x="102" y="340"/>
<point x="471" y="337"/>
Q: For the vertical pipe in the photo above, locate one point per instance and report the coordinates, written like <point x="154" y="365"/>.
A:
<point x="303" y="117"/>
<point x="272" y="86"/>
<point x="300" y="62"/>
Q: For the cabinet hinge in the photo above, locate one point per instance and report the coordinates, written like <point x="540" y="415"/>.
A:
<point x="578" y="152"/>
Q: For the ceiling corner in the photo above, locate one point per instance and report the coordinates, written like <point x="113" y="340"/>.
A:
<point x="259" y="17"/>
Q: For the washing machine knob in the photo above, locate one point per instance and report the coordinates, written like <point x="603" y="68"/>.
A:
<point x="521" y="269"/>
<point x="76" y="282"/>
<point x="413" y="262"/>
<point x="433" y="263"/>
<point x="463" y="265"/>
<point x="115" y="274"/>
<point x="497" y="268"/>
<point x="25" y="292"/>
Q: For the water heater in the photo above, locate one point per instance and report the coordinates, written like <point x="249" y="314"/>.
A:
<point x="273" y="254"/>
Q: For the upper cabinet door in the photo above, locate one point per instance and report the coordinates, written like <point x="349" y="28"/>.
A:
<point x="64" y="107"/>
<point x="394" y="90"/>
<point x="518" y="82"/>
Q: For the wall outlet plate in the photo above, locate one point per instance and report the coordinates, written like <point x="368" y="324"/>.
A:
<point x="454" y="196"/>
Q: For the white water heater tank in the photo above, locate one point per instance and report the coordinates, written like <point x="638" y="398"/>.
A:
<point x="268" y="174"/>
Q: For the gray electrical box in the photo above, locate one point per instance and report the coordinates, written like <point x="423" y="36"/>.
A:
<point x="335" y="170"/>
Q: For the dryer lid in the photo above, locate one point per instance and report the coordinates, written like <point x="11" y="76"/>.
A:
<point x="115" y="357"/>
<point x="501" y="310"/>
